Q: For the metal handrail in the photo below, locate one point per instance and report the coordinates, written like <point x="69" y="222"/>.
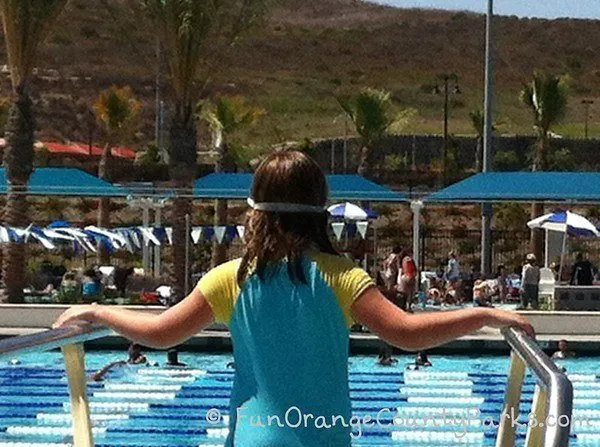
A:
<point x="51" y="339"/>
<point x="553" y="396"/>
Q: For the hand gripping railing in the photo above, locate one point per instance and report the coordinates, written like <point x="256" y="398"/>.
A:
<point x="552" y="401"/>
<point x="69" y="339"/>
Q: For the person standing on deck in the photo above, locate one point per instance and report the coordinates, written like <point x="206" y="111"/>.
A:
<point x="530" y="283"/>
<point x="453" y="275"/>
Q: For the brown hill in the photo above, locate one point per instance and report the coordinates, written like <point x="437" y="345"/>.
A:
<point x="309" y="50"/>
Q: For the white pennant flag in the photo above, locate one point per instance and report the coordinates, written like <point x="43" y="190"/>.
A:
<point x="241" y="230"/>
<point x="338" y="229"/>
<point x="220" y="233"/>
<point x="362" y="228"/>
<point x="169" y="231"/>
<point x="45" y="242"/>
<point x="196" y="233"/>
<point x="148" y="235"/>
<point x="4" y="237"/>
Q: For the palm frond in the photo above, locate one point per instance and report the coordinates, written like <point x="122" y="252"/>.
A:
<point x="26" y="25"/>
<point x="117" y="109"/>
<point x="402" y="120"/>
<point x="546" y="95"/>
<point x="477" y="121"/>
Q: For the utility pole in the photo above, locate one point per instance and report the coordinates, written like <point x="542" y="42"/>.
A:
<point x="587" y="103"/>
<point x="158" y="105"/>
<point x="486" y="208"/>
<point x="446" y="78"/>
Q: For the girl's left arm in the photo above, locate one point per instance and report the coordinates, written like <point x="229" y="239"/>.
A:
<point x="173" y="326"/>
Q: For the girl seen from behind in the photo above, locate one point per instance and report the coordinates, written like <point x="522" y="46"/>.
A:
<point x="289" y="302"/>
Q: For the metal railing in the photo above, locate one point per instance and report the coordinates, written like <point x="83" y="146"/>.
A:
<point x="552" y="404"/>
<point x="70" y="339"/>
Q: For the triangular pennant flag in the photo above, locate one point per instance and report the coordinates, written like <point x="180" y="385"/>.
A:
<point x="135" y="236"/>
<point x="362" y="228"/>
<point x="148" y="234"/>
<point x="338" y="229"/>
<point x="27" y="232"/>
<point x="160" y="234"/>
<point x="220" y="233"/>
<point x="126" y="235"/>
<point x="196" y="233"/>
<point x="169" y="231"/>
<point x="208" y="233"/>
<point x="350" y="229"/>
<point x="241" y="230"/>
<point x="231" y="233"/>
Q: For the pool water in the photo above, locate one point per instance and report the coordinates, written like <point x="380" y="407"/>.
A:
<point x="455" y="402"/>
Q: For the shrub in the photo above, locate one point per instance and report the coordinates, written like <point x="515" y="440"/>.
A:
<point x="506" y="161"/>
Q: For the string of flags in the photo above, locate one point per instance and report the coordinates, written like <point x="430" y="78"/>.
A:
<point x="88" y="239"/>
<point x="350" y="229"/>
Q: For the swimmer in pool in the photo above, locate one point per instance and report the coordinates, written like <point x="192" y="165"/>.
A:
<point x="289" y="302"/>
<point x="422" y="360"/>
<point x="385" y="356"/>
<point x="134" y="357"/>
<point x="173" y="359"/>
<point x="563" y="351"/>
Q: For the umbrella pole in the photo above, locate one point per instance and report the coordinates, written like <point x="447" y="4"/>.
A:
<point x="562" y="255"/>
<point x="546" y="251"/>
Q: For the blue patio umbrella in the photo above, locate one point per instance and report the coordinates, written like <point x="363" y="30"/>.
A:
<point x="349" y="211"/>
<point x="565" y="222"/>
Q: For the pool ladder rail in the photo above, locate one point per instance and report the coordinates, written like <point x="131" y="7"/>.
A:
<point x="70" y="340"/>
<point x="552" y="404"/>
<point x="552" y="400"/>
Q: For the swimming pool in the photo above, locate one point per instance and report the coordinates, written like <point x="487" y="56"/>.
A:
<point x="453" y="403"/>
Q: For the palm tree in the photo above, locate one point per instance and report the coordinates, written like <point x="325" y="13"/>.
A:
<point x="373" y="118"/>
<point x="117" y="109"/>
<point x="546" y="96"/>
<point x="26" y="23"/>
<point x="192" y="34"/>
<point x="226" y="115"/>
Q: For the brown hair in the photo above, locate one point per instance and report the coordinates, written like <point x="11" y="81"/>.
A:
<point x="285" y="177"/>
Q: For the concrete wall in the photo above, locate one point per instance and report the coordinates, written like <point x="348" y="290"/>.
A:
<point x="546" y="323"/>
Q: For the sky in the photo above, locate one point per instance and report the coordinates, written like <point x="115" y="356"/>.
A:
<point x="589" y="9"/>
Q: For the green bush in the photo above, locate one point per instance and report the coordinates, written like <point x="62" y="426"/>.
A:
<point x="562" y="160"/>
<point x="506" y="161"/>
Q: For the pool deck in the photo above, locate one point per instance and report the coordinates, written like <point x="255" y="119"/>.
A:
<point x="582" y="329"/>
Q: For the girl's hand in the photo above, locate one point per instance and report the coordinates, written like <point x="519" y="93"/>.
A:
<point x="501" y="318"/>
<point x="78" y="314"/>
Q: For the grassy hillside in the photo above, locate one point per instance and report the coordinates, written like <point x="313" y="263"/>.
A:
<point x="309" y="51"/>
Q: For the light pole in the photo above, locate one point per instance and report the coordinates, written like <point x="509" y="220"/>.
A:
<point x="587" y="103"/>
<point x="486" y="208"/>
<point x="445" y="78"/>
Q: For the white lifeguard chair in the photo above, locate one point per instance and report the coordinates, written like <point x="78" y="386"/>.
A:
<point x="547" y="282"/>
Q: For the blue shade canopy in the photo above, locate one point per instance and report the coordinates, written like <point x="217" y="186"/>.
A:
<point x="523" y="186"/>
<point x="65" y="182"/>
<point x="341" y="187"/>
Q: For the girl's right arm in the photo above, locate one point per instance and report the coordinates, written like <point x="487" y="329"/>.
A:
<point x="415" y="332"/>
<point x="173" y="326"/>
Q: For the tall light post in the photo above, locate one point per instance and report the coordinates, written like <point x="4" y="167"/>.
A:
<point x="445" y="78"/>
<point x="486" y="208"/>
<point x="587" y="103"/>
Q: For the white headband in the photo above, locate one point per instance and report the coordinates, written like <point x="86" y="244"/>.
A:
<point x="283" y="207"/>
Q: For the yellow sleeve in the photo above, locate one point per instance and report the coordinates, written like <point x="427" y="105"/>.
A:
<point x="220" y="289"/>
<point x="346" y="279"/>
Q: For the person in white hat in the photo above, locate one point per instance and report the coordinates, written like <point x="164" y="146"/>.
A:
<point x="530" y="282"/>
